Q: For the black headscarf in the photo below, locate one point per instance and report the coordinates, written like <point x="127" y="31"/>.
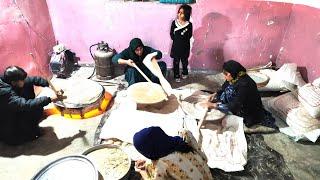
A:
<point x="154" y="143"/>
<point x="234" y="68"/>
<point x="134" y="44"/>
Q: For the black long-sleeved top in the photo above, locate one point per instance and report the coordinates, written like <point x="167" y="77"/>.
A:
<point x="247" y="101"/>
<point x="180" y="36"/>
<point x="11" y="104"/>
<point x="28" y="91"/>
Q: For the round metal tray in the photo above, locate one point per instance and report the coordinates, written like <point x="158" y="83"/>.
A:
<point x="69" y="167"/>
<point x="98" y="147"/>
<point x="260" y="79"/>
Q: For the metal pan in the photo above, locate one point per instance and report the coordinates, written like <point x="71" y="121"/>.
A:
<point x="260" y="79"/>
<point x="70" y="167"/>
<point x="100" y="161"/>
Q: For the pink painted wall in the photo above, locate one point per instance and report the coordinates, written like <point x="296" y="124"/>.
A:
<point x="233" y="29"/>
<point x="301" y="43"/>
<point x="251" y="32"/>
<point x="79" y="25"/>
<point x="25" y="27"/>
<point x="247" y="31"/>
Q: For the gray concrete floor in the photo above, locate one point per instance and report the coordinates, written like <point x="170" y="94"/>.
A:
<point x="65" y="137"/>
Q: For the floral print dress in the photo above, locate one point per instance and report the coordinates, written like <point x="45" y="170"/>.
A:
<point x="177" y="165"/>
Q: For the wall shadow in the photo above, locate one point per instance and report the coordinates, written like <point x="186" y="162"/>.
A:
<point x="209" y="39"/>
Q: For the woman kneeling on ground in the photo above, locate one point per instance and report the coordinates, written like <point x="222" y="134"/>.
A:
<point x="171" y="157"/>
<point x="239" y="95"/>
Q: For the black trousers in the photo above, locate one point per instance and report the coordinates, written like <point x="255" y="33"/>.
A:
<point x="176" y="67"/>
<point x="27" y="122"/>
<point x="24" y="128"/>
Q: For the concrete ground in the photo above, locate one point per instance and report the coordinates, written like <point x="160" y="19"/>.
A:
<point x="65" y="137"/>
<point x="302" y="158"/>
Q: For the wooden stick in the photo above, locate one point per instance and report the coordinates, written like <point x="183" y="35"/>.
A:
<point x="260" y="68"/>
<point x="163" y="81"/>
<point x="267" y="66"/>
<point x="52" y="87"/>
<point x="203" y="118"/>
<point x="153" y="66"/>
<point x="102" y="81"/>
<point x="146" y="77"/>
<point x="57" y="94"/>
<point x="179" y="99"/>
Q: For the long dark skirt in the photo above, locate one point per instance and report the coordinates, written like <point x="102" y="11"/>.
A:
<point x="133" y="76"/>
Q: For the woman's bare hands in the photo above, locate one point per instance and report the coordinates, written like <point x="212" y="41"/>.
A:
<point x="211" y="97"/>
<point x="54" y="98"/>
<point x="209" y="105"/>
<point x="130" y="62"/>
<point x="140" y="165"/>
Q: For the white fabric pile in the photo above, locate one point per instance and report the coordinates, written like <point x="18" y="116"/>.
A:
<point x="286" y="78"/>
<point x="301" y="111"/>
<point x="226" y="148"/>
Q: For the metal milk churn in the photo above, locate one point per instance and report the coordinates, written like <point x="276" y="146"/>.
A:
<point x="103" y="61"/>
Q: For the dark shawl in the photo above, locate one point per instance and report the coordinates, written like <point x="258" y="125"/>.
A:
<point x="154" y="143"/>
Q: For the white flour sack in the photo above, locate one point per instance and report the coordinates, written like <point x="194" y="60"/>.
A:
<point x="289" y="72"/>
<point x="301" y="122"/>
<point x="301" y="125"/>
<point x="316" y="82"/>
<point x="285" y="78"/>
<point x="282" y="105"/>
<point x="275" y="82"/>
<point x="309" y="96"/>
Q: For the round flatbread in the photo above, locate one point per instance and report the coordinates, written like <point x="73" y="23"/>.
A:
<point x="196" y="111"/>
<point x="146" y="93"/>
<point x="79" y="92"/>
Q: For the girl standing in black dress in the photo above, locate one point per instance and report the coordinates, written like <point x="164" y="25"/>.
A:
<point x="181" y="32"/>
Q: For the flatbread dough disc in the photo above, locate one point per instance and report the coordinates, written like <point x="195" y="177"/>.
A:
<point x="146" y="93"/>
<point x="79" y="92"/>
<point x="196" y="111"/>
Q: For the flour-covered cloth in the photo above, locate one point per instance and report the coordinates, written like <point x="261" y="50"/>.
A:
<point x="225" y="147"/>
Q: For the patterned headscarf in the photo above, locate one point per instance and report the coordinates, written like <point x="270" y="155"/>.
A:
<point x="154" y="143"/>
<point x="235" y="69"/>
